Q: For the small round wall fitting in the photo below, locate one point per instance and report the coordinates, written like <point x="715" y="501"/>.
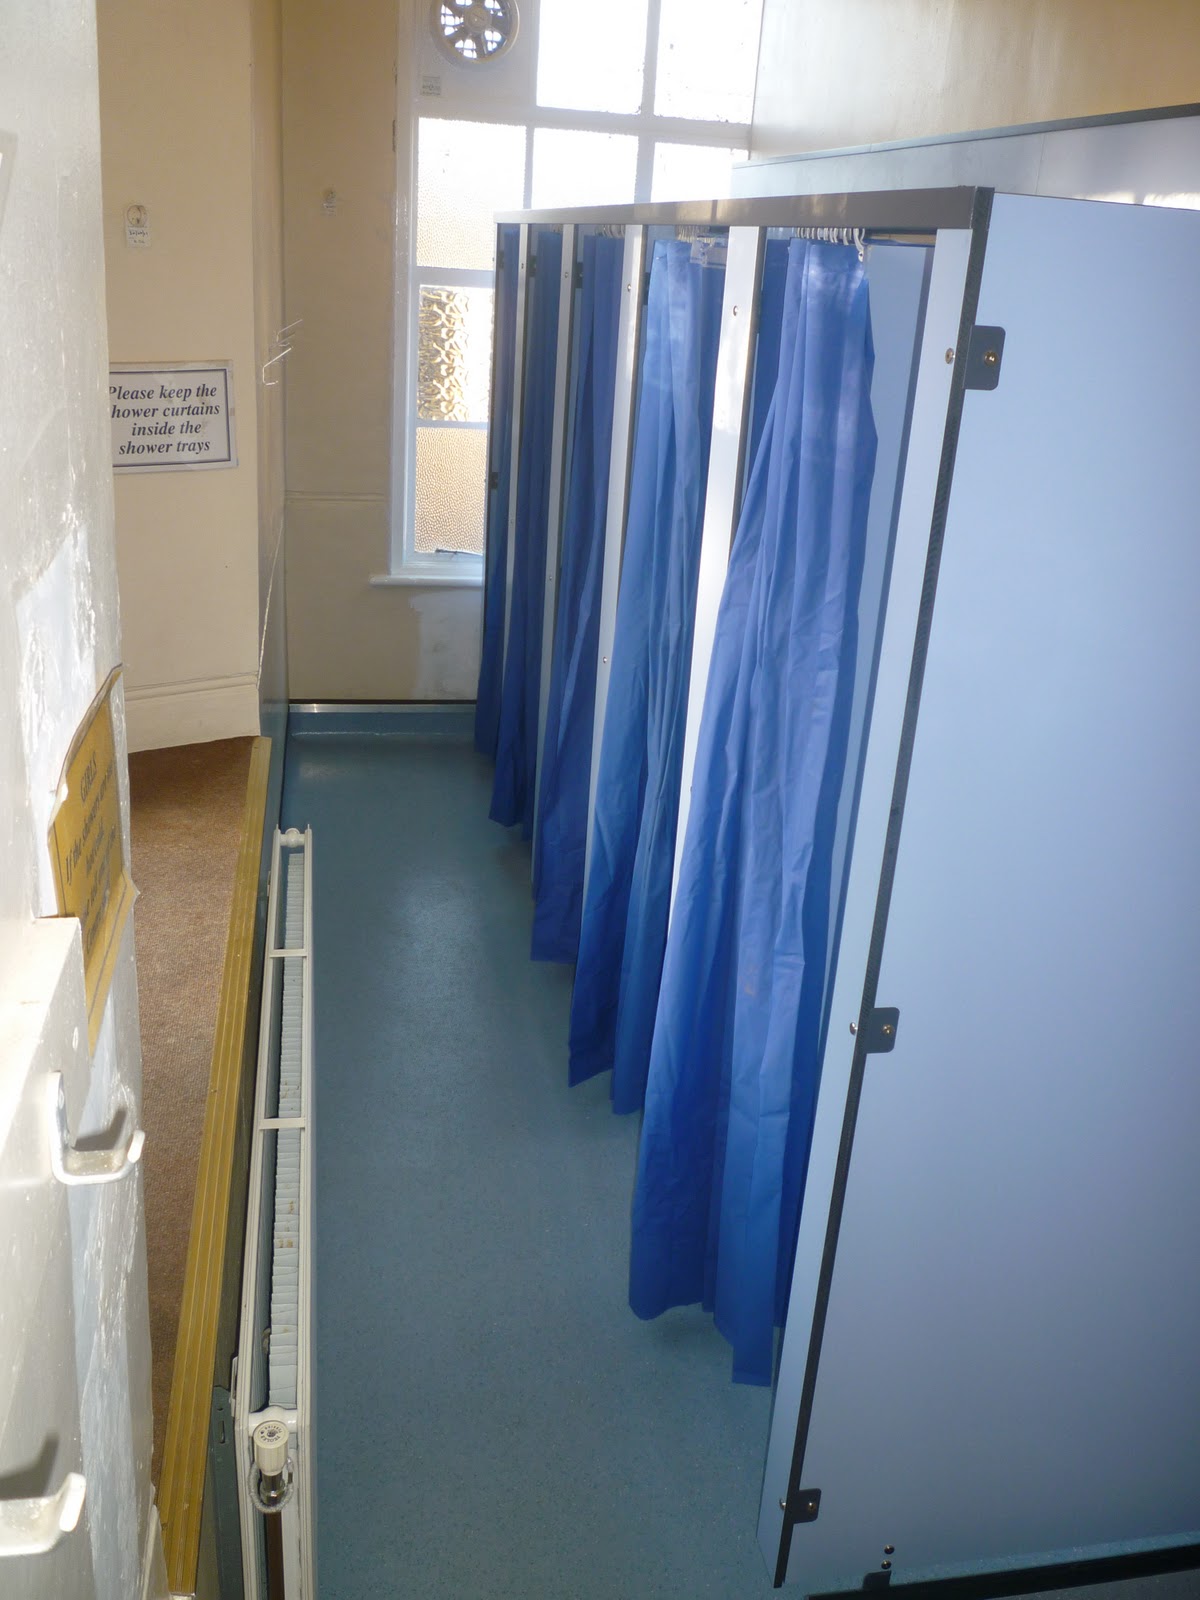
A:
<point x="472" y="32"/>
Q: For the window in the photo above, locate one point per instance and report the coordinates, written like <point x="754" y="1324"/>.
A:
<point x="450" y="304"/>
<point x="653" y="104"/>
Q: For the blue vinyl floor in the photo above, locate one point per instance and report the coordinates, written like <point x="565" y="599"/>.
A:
<point x="492" y="1421"/>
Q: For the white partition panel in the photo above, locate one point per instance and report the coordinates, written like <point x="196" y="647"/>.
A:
<point x="518" y="398"/>
<point x="558" y="459"/>
<point x="624" y="402"/>
<point x="1009" y="1368"/>
<point x="723" y="494"/>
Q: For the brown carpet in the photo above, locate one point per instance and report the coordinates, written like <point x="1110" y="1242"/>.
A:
<point x="186" y="815"/>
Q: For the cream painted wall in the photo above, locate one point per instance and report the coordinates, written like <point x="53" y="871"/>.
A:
<point x="850" y="72"/>
<point x="59" y="638"/>
<point x="178" y="127"/>
<point x="348" y="640"/>
<point x="266" y="109"/>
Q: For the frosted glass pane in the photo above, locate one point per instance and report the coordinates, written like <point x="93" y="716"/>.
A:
<point x="466" y="171"/>
<point x="451" y="489"/>
<point x="692" y="172"/>
<point x="707" y="59"/>
<point x="454" y="353"/>
<point x="591" y="61"/>
<point x="571" y="168"/>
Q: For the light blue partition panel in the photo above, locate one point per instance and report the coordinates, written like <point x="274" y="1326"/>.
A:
<point x="1010" y="1369"/>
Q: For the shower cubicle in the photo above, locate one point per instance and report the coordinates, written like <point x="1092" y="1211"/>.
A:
<point x="859" y="648"/>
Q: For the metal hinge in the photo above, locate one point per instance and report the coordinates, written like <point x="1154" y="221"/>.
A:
<point x="531" y="266"/>
<point x="878" y="1030"/>
<point x="494" y="479"/>
<point x="646" y="287"/>
<point x="577" y="279"/>
<point x="801" y="1506"/>
<point x="499" y="257"/>
<point x="985" y="351"/>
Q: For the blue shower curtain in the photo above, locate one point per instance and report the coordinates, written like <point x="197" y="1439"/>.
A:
<point x="732" y="1081"/>
<point x="561" y="835"/>
<point x="624" y="925"/>
<point x="487" y="699"/>
<point x="516" y="739"/>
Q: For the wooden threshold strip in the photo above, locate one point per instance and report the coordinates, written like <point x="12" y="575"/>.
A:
<point x="185" y="1452"/>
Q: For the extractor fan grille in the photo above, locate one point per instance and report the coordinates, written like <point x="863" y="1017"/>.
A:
<point x="471" y="32"/>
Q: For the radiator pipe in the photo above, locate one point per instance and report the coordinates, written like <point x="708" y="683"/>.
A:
<point x="272" y="1481"/>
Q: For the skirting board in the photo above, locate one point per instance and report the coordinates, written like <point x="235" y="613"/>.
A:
<point x="163" y="714"/>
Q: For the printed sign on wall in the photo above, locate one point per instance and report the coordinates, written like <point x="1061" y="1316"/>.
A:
<point x="88" y="850"/>
<point x="168" y="419"/>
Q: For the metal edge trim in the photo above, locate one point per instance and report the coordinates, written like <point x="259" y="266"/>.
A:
<point x="894" y="210"/>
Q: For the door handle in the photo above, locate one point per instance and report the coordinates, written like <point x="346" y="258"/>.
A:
<point x="73" y="1166"/>
<point x="32" y="1527"/>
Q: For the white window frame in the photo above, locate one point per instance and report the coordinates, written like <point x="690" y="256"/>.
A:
<point x="451" y="570"/>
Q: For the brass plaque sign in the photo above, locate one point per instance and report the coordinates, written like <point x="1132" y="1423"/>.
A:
<point x="88" y="850"/>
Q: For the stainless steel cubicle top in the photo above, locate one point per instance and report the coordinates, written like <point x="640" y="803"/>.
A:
<point x="892" y="211"/>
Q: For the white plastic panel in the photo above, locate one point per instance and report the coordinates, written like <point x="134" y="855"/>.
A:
<point x="518" y="396"/>
<point x="43" y="1033"/>
<point x="1009" y="1368"/>
<point x="567" y="298"/>
<point x="624" y="400"/>
<point x="723" y="492"/>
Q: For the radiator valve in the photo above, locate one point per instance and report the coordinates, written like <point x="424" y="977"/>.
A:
<point x="272" y="1478"/>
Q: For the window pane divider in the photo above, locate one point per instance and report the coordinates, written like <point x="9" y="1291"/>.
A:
<point x="453" y="277"/>
<point x="450" y="422"/>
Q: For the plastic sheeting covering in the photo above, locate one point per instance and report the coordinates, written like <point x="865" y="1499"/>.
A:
<point x="561" y="836"/>
<point x="732" y="1084"/>
<point x="627" y="898"/>
<point x="487" y="699"/>
<point x="516" y="740"/>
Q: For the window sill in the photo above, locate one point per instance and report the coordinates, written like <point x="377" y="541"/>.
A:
<point x="415" y="577"/>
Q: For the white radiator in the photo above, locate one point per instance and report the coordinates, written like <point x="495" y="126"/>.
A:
<point x="274" y="1379"/>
